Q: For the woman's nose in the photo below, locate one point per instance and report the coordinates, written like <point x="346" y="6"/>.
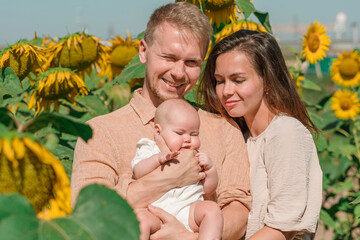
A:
<point x="228" y="88"/>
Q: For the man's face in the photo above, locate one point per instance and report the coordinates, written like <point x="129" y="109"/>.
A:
<point x="173" y="63"/>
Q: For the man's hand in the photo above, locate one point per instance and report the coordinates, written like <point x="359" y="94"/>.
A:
<point x="179" y="172"/>
<point x="172" y="229"/>
<point x="164" y="157"/>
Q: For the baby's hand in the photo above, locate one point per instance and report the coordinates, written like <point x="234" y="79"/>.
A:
<point x="204" y="161"/>
<point x="164" y="157"/>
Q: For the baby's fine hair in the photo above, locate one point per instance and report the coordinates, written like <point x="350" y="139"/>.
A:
<point x="171" y="106"/>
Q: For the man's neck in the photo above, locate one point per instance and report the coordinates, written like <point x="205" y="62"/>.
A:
<point x="145" y="93"/>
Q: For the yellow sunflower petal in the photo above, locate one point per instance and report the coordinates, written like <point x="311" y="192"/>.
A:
<point x="315" y="43"/>
<point x="345" y="104"/>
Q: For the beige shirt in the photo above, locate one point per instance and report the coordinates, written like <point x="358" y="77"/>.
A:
<point x="286" y="179"/>
<point x="106" y="157"/>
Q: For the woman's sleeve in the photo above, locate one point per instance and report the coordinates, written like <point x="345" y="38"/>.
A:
<point x="294" y="179"/>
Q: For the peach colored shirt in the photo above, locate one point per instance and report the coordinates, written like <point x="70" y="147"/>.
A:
<point x="106" y="157"/>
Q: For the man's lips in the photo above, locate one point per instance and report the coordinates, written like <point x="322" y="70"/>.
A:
<point x="172" y="84"/>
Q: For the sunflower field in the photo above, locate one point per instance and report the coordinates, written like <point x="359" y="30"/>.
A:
<point x="50" y="87"/>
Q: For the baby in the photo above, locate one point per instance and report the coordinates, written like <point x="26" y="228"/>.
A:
<point x="177" y="124"/>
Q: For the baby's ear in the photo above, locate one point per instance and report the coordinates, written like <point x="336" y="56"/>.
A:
<point x="157" y="129"/>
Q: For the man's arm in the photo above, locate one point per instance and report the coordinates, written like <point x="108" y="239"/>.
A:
<point x="96" y="162"/>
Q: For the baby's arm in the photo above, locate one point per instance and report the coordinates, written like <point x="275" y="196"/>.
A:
<point x="211" y="179"/>
<point x="147" y="165"/>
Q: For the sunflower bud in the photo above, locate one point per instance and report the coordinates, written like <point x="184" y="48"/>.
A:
<point x="79" y="52"/>
<point x="28" y="168"/>
<point x="23" y="58"/>
<point x="78" y="56"/>
<point x="121" y="52"/>
<point x="54" y="84"/>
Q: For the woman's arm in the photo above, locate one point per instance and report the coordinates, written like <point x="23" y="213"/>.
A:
<point x="269" y="233"/>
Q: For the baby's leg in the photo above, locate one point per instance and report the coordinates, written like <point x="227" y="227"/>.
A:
<point x="206" y="218"/>
<point x="148" y="223"/>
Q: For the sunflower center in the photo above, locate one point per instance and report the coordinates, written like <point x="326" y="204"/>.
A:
<point x="348" y="69"/>
<point x="21" y="65"/>
<point x="314" y="42"/>
<point x="345" y="104"/>
<point x="122" y="55"/>
<point x="216" y="5"/>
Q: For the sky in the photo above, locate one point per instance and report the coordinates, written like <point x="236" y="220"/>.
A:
<point x="22" y="18"/>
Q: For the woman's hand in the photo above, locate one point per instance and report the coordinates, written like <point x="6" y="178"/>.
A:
<point x="172" y="229"/>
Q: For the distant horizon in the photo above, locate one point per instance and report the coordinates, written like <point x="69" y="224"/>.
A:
<point x="105" y="18"/>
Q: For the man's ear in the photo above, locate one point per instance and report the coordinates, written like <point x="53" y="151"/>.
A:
<point x="142" y="51"/>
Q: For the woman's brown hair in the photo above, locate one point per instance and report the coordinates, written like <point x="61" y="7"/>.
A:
<point x="265" y="55"/>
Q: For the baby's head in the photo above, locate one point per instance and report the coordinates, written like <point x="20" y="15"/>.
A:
<point x="178" y="123"/>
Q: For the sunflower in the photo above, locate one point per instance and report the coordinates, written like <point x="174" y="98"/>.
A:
<point x="315" y="43"/>
<point x="218" y="11"/>
<point x="298" y="80"/>
<point x="28" y="168"/>
<point x="345" y="104"/>
<point x="221" y="11"/>
<point x="121" y="52"/>
<point x="236" y="26"/>
<point x="23" y="57"/>
<point x="345" y="70"/>
<point x="54" y="84"/>
<point x="79" y="52"/>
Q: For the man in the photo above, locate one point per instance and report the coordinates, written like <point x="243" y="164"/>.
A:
<point x="174" y="46"/>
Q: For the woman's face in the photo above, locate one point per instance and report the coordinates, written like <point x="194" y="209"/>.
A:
<point x="238" y="86"/>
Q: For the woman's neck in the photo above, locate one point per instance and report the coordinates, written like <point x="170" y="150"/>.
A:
<point x="260" y="120"/>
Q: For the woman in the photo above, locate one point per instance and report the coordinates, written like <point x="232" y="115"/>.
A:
<point x="246" y="78"/>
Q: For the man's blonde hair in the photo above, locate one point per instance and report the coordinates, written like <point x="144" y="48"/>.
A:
<point x="182" y="15"/>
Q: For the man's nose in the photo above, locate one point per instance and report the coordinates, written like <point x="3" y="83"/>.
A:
<point x="178" y="71"/>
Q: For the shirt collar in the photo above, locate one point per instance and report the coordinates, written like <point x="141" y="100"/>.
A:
<point x="144" y="109"/>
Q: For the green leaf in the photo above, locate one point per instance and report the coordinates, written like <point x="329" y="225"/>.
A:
<point x="93" y="80"/>
<point x="62" y="123"/>
<point x="94" y="105"/>
<point x="347" y="185"/>
<point x="246" y="6"/>
<point x="135" y="69"/>
<point x="190" y="97"/>
<point x="292" y="50"/>
<point x="264" y="20"/>
<point x="9" y="83"/>
<point x="356" y="201"/>
<point x="308" y="84"/>
<point x="5" y="117"/>
<point x="326" y="218"/>
<point x="140" y="35"/>
<point x="340" y="146"/>
<point x="321" y="143"/>
<point x="17" y="218"/>
<point x="100" y="213"/>
<point x="357" y="211"/>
